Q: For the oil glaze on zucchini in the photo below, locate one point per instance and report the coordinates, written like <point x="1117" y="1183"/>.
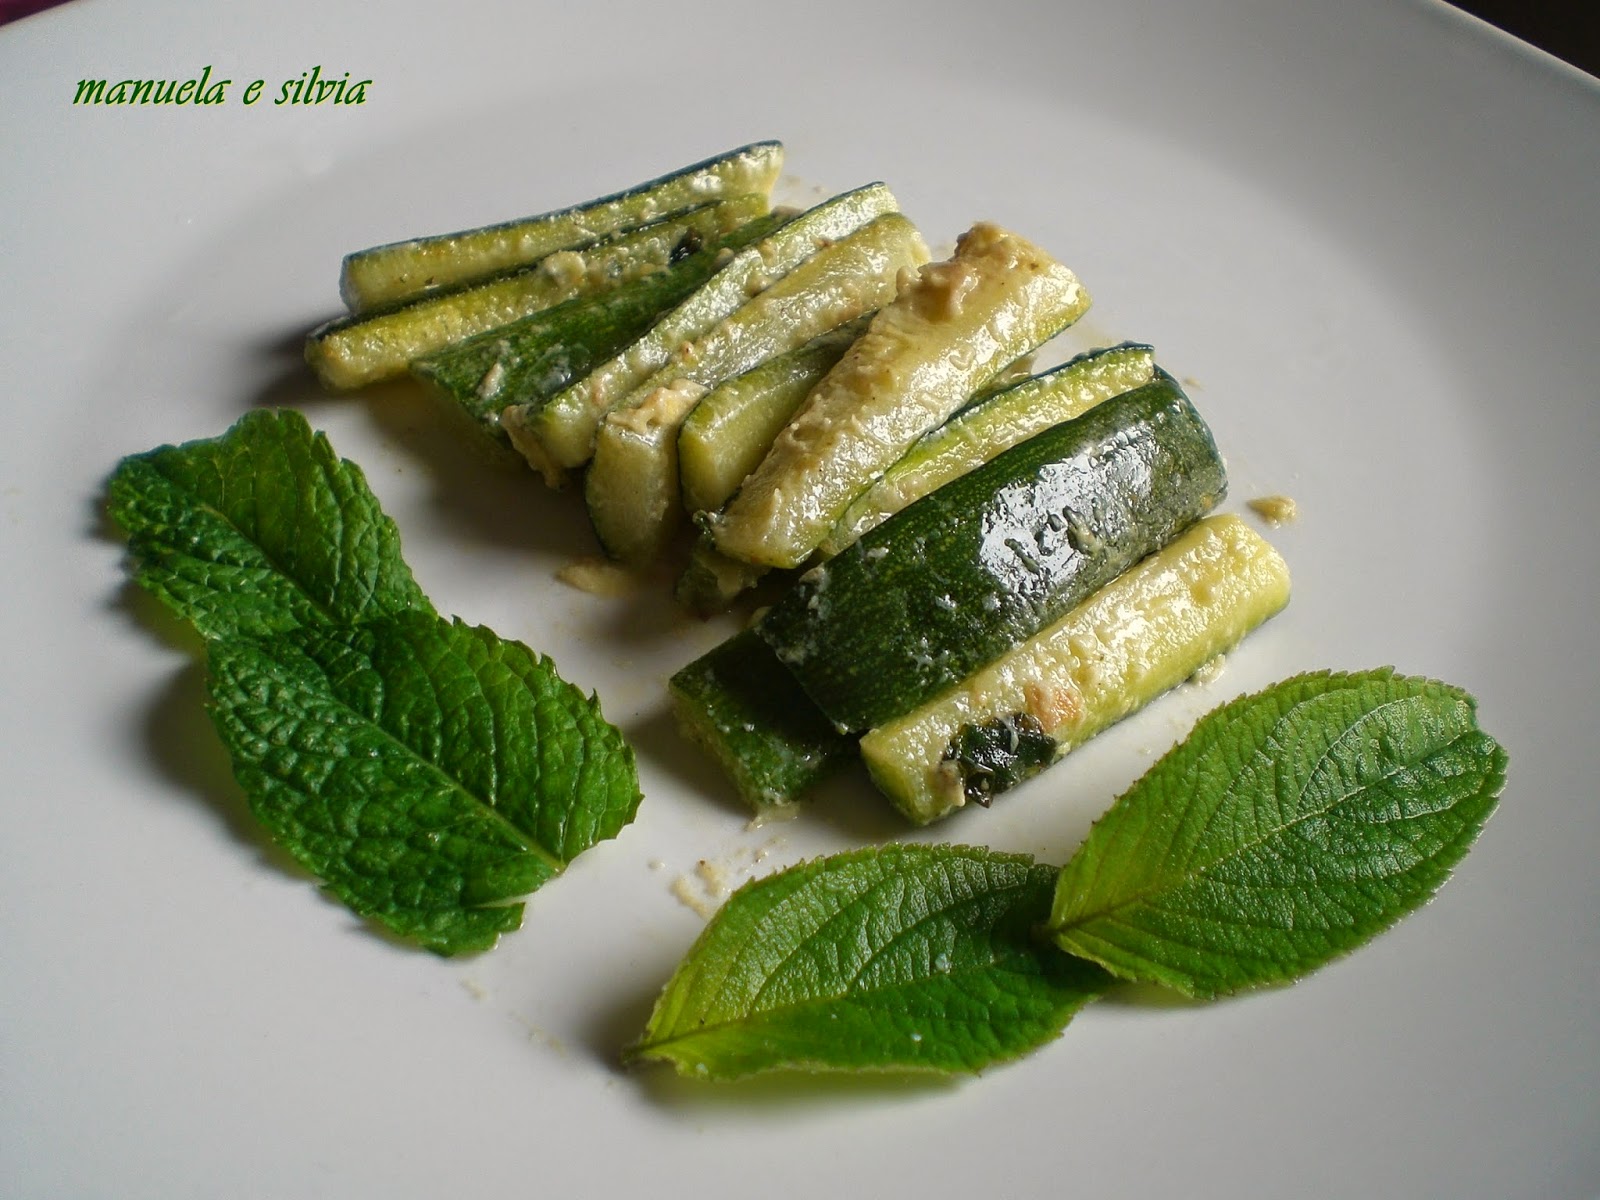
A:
<point x="1139" y="636"/>
<point x="984" y="562"/>
<point x="405" y="270"/>
<point x="632" y="484"/>
<point x="558" y="435"/>
<point x="355" y="351"/>
<point x="950" y="331"/>
<point x="989" y="425"/>
<point x="528" y="361"/>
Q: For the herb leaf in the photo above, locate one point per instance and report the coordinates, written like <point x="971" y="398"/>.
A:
<point x="905" y="958"/>
<point x="261" y="530"/>
<point x="1288" y="828"/>
<point x="425" y="769"/>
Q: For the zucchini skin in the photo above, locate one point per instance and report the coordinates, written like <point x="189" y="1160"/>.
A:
<point x="405" y="270"/>
<point x="950" y="332"/>
<point x="528" y="361"/>
<point x="632" y="485"/>
<point x="1141" y="635"/>
<point x="959" y="577"/>
<point x="354" y="351"/>
<point x="559" y="434"/>
<point x="988" y="425"/>
<point x="735" y="424"/>
<point x="739" y="703"/>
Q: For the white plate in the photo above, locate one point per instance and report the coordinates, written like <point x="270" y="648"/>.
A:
<point x="1366" y="232"/>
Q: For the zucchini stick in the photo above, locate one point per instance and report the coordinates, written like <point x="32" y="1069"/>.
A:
<point x="632" y="483"/>
<point x="954" y="580"/>
<point x="559" y="434"/>
<point x="355" y="351"/>
<point x="730" y="431"/>
<point x="406" y="270"/>
<point x="949" y="332"/>
<point x="739" y="703"/>
<point x="1137" y="637"/>
<point x="988" y="426"/>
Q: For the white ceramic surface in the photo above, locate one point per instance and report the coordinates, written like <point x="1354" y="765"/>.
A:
<point x="1365" y="232"/>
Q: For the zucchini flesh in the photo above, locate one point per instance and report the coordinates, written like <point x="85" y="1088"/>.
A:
<point x="530" y="360"/>
<point x="741" y="705"/>
<point x="989" y="425"/>
<point x="632" y="485"/>
<point x="1137" y="637"/>
<point x="963" y="574"/>
<point x="947" y="334"/>
<point x="729" y="432"/>
<point x="406" y="270"/>
<point x="355" y="351"/>
<point x="559" y="434"/>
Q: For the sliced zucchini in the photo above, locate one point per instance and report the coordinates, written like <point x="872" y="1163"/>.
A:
<point x="558" y="434"/>
<point x="406" y="270"/>
<point x="632" y="484"/>
<point x="959" y="577"/>
<point x="994" y="423"/>
<point x="725" y="437"/>
<point x="945" y="336"/>
<point x="355" y="351"/>
<point x="631" y="487"/>
<point x="1137" y="637"/>
<point x="741" y="705"/>
<point x="729" y="432"/>
<point x="531" y="359"/>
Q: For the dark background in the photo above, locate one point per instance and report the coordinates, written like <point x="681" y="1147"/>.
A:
<point x="1564" y="28"/>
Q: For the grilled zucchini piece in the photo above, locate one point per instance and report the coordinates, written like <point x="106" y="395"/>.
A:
<point x="632" y="483"/>
<point x="354" y="351"/>
<point x="1137" y="637"/>
<point x="558" y="435"/>
<point x="401" y="271"/>
<point x="959" y="577"/>
<point x="729" y="432"/>
<point x="741" y="705"/>
<point x="528" y="361"/>
<point x="989" y="425"/>
<point x="943" y="338"/>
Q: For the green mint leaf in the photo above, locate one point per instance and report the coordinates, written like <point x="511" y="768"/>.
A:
<point x="261" y="530"/>
<point x="426" y="770"/>
<point x="902" y="958"/>
<point x="1287" y="829"/>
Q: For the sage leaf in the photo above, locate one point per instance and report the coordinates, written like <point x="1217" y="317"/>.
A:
<point x="426" y="770"/>
<point x="902" y="958"/>
<point x="1288" y="828"/>
<point x="261" y="530"/>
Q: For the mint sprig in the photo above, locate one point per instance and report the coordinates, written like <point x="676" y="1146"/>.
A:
<point x="261" y="530"/>
<point x="427" y="771"/>
<point x="903" y="958"/>
<point x="1290" y="827"/>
